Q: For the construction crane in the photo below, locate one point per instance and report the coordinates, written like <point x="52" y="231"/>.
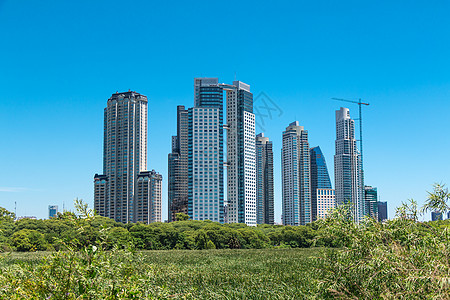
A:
<point x="360" y="124"/>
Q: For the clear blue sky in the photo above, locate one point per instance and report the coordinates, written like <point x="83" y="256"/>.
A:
<point x="61" y="60"/>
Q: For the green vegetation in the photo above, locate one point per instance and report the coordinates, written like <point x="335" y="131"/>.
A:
<point x="100" y="259"/>
<point x="178" y="274"/>
<point x="40" y="235"/>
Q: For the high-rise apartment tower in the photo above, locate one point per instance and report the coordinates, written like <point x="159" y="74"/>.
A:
<point x="178" y="167"/>
<point x="264" y="180"/>
<point x="296" y="178"/>
<point x="347" y="166"/>
<point x="205" y="152"/>
<point x="124" y="157"/>
<point x="241" y="160"/>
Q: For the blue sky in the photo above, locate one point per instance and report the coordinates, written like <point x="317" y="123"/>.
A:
<point x="61" y="60"/>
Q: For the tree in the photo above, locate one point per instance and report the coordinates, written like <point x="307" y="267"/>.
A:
<point x="29" y="240"/>
<point x="437" y="200"/>
<point x="6" y="215"/>
<point x="181" y="217"/>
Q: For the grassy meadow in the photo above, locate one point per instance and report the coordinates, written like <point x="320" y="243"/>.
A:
<point x="217" y="274"/>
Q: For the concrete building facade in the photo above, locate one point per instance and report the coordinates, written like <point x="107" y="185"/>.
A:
<point x="325" y="201"/>
<point x="148" y="197"/>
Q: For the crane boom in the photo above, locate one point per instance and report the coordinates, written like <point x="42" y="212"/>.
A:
<point x="351" y="101"/>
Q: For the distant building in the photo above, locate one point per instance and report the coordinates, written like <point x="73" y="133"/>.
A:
<point x="178" y="167"/>
<point x="325" y="201"/>
<point x="436" y="216"/>
<point x="371" y="201"/>
<point x="52" y="211"/>
<point x="382" y="211"/>
<point x="26" y="217"/>
<point x="100" y="194"/>
<point x="348" y="174"/>
<point x="148" y="197"/>
<point x="264" y="180"/>
<point x="296" y="179"/>
<point x="320" y="179"/>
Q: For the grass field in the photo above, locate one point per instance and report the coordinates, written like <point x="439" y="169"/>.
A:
<point x="216" y="274"/>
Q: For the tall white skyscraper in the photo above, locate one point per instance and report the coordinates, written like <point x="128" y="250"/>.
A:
<point x="205" y="151"/>
<point x="241" y="155"/>
<point x="348" y="175"/>
<point x="296" y="177"/>
<point x="124" y="157"/>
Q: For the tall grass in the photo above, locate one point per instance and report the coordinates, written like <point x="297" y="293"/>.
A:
<point x="120" y="274"/>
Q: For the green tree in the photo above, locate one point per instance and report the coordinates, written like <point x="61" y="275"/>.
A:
<point x="181" y="217"/>
<point x="6" y="216"/>
<point x="29" y="240"/>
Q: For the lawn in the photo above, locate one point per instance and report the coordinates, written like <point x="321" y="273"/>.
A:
<point x="218" y="274"/>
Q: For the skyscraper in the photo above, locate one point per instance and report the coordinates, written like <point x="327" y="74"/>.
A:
<point x="264" y="180"/>
<point x="382" y="211"/>
<point x="205" y="151"/>
<point x="178" y="167"/>
<point x="296" y="178"/>
<point x="124" y="156"/>
<point x="241" y="160"/>
<point x="320" y="179"/>
<point x="371" y="201"/>
<point x="347" y="166"/>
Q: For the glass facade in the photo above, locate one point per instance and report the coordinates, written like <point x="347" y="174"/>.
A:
<point x="382" y="211"/>
<point x="264" y="180"/>
<point x="178" y="167"/>
<point x="371" y="199"/>
<point x="320" y="179"/>
<point x="52" y="211"/>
